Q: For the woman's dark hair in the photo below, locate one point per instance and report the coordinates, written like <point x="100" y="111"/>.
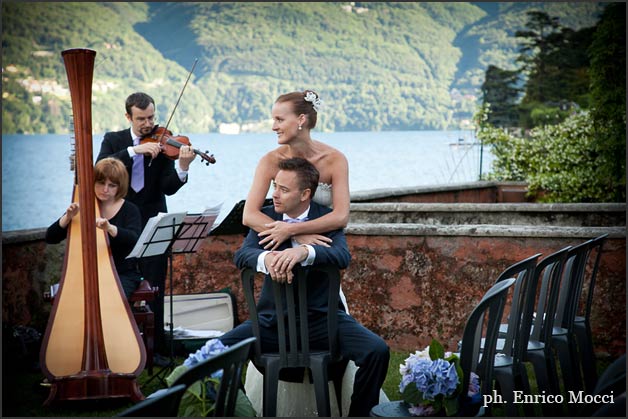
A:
<point x="301" y="106"/>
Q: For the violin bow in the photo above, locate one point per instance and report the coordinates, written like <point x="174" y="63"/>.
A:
<point x="179" y="99"/>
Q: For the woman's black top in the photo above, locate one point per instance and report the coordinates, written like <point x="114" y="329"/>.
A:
<point x="129" y="223"/>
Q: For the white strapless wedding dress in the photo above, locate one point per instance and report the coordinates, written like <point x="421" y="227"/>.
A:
<point x="298" y="399"/>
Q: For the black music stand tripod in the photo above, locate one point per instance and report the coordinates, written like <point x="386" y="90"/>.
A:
<point x="173" y="234"/>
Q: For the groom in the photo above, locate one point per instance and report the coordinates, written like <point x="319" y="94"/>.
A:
<point x="295" y="184"/>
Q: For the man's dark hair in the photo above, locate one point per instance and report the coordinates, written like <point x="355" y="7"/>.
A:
<point x="307" y="174"/>
<point x="139" y="100"/>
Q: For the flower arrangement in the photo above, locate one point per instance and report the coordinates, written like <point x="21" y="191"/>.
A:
<point x="431" y="380"/>
<point x="200" y="398"/>
<point x="316" y="101"/>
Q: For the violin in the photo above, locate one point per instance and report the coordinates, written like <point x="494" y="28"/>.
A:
<point x="171" y="144"/>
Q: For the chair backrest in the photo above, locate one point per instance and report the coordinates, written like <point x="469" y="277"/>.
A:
<point x="164" y="404"/>
<point x="592" y="261"/>
<point x="483" y="322"/>
<point x="292" y="300"/>
<point x="571" y="286"/>
<point x="548" y="272"/>
<point x="230" y="362"/>
<point x="521" y="307"/>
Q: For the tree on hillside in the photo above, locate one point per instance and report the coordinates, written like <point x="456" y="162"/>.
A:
<point x="582" y="158"/>
<point x="557" y="67"/>
<point x="537" y="43"/>
<point x="501" y="93"/>
<point x="608" y="90"/>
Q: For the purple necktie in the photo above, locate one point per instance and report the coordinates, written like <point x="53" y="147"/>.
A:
<point x="137" y="175"/>
<point x="295" y="220"/>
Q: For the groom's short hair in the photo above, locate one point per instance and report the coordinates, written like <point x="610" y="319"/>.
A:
<point x="307" y="174"/>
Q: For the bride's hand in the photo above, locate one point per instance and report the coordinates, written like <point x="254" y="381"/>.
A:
<point x="277" y="233"/>
<point x="313" y="239"/>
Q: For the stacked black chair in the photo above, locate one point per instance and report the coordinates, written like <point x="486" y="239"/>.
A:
<point x="563" y="335"/>
<point x="479" y="340"/>
<point x="539" y="353"/>
<point x="510" y="371"/>
<point x="294" y="349"/>
<point x="582" y="320"/>
<point x="231" y="362"/>
<point x="165" y="404"/>
<point x="477" y="353"/>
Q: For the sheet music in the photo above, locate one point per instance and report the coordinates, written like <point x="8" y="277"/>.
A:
<point x="195" y="228"/>
<point x="157" y="234"/>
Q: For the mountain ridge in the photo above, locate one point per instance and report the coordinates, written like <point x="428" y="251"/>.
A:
<point x="377" y="66"/>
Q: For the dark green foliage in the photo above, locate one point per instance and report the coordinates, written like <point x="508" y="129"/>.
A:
<point x="608" y="93"/>
<point x="554" y="59"/>
<point x="570" y="156"/>
<point x="402" y="65"/>
<point x="500" y="91"/>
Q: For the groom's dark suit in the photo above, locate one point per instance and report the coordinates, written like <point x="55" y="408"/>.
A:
<point x="160" y="179"/>
<point x="369" y="352"/>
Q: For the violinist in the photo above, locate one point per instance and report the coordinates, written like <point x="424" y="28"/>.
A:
<point x="153" y="176"/>
<point x="120" y="218"/>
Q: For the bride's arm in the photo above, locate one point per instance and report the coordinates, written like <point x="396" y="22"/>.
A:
<point x="252" y="215"/>
<point x="278" y="231"/>
<point x="339" y="216"/>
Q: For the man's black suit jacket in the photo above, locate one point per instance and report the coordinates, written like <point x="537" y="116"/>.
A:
<point x="338" y="255"/>
<point x="160" y="179"/>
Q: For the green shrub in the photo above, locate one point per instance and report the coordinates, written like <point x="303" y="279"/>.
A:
<point x="562" y="160"/>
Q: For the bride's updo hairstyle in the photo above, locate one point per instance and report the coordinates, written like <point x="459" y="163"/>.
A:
<point x="307" y="102"/>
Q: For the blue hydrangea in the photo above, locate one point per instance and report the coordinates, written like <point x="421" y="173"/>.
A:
<point x="432" y="378"/>
<point x="211" y="348"/>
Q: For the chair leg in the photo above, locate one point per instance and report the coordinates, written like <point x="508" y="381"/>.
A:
<point x="542" y="373"/>
<point x="568" y="368"/>
<point x="522" y="382"/>
<point x="506" y="382"/>
<point x="271" y="383"/>
<point x="338" y="391"/>
<point x="321" y="386"/>
<point x="587" y="356"/>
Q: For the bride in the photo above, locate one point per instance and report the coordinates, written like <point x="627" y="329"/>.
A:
<point x="294" y="115"/>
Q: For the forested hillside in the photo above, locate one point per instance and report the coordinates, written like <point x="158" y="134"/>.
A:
<point x="377" y="66"/>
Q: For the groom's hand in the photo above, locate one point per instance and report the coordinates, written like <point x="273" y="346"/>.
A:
<point x="282" y="263"/>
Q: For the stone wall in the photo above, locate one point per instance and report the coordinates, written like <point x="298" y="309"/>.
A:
<point x="409" y="279"/>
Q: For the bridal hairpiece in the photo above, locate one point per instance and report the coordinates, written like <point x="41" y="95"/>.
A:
<point x="314" y="99"/>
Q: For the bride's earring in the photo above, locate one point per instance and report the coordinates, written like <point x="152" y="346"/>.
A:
<point x="300" y="127"/>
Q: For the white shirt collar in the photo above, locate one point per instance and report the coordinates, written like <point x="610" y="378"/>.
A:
<point x="300" y="217"/>
<point x="135" y="138"/>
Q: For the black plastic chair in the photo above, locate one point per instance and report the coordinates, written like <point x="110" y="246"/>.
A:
<point x="563" y="335"/>
<point x="479" y="340"/>
<point x="165" y="404"/>
<point x="477" y="352"/>
<point x="230" y="362"/>
<point x="547" y="275"/>
<point x="510" y="371"/>
<point x="294" y="349"/>
<point x="582" y="320"/>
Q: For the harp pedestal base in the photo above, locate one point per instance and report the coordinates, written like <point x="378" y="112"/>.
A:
<point x="97" y="385"/>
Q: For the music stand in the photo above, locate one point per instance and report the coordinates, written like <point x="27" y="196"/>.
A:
<point x="172" y="234"/>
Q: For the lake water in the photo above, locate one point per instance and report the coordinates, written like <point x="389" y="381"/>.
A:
<point x="37" y="180"/>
